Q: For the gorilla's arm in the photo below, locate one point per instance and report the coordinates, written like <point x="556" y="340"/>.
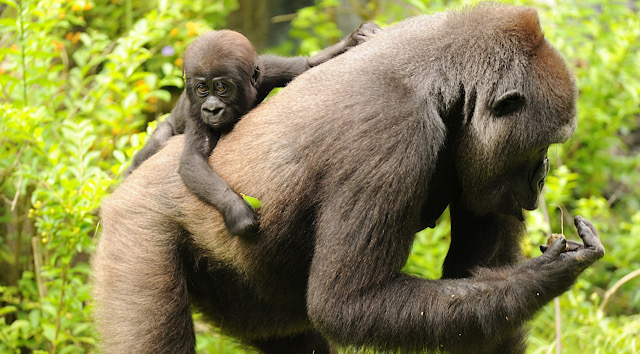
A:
<point x="203" y="181"/>
<point x="160" y="135"/>
<point x="173" y="125"/>
<point x="353" y="294"/>
<point x="481" y="243"/>
<point x="276" y="71"/>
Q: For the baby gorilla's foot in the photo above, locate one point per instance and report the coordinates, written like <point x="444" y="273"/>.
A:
<point x="241" y="220"/>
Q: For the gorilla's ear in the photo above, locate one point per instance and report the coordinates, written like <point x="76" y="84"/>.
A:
<point x="255" y="76"/>
<point x="508" y="103"/>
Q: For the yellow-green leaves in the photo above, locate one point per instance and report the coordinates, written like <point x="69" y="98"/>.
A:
<point x="254" y="202"/>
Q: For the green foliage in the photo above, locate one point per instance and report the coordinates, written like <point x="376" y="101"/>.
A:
<point x="599" y="40"/>
<point x="75" y="85"/>
<point x="584" y="328"/>
<point x="429" y="249"/>
<point x="80" y="79"/>
<point x="315" y="26"/>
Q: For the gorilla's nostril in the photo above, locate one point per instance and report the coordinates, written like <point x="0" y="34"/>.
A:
<point x="216" y="111"/>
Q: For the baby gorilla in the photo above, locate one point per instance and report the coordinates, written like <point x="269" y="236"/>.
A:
<point x="224" y="79"/>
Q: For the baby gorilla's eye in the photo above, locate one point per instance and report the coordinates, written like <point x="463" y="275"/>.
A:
<point x="221" y="88"/>
<point x="202" y="90"/>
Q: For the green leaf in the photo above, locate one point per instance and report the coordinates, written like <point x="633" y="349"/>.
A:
<point x="7" y="309"/>
<point x="255" y="203"/>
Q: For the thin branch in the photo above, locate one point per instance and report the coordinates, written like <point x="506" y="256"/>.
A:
<point x="37" y="263"/>
<point x="60" y="307"/>
<point x="545" y="212"/>
<point x="15" y="198"/>
<point x="283" y="18"/>
<point x="9" y="170"/>
<point x="616" y="286"/>
<point x="556" y="310"/>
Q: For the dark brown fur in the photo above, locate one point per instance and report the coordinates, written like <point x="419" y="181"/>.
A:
<point x="230" y="53"/>
<point x="224" y="79"/>
<point x="216" y="50"/>
<point x="350" y="160"/>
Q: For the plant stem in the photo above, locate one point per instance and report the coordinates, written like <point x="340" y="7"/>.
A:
<point x="23" y="61"/>
<point x="556" y="308"/>
<point x="617" y="286"/>
<point x="60" y="305"/>
<point x="128" y="15"/>
<point x="37" y="263"/>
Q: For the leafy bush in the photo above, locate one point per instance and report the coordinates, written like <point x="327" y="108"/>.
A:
<point x="77" y="85"/>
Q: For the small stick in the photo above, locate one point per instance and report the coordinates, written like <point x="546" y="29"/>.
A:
<point x="555" y="237"/>
<point x="617" y="286"/>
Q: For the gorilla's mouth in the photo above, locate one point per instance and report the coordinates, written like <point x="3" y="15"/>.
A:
<point x="539" y="176"/>
<point x="527" y="197"/>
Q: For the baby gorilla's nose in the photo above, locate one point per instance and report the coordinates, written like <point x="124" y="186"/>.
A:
<point x="213" y="110"/>
<point x="213" y="113"/>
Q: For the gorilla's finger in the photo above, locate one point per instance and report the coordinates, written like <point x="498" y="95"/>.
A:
<point x="586" y="232"/>
<point x="588" y="223"/>
<point x="573" y="245"/>
<point x="555" y="249"/>
<point x="370" y="27"/>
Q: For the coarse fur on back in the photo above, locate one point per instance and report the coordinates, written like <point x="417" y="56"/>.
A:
<point x="350" y="160"/>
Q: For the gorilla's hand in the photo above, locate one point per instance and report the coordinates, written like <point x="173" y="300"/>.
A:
<point x="240" y="219"/>
<point x="556" y="269"/>
<point x="362" y="34"/>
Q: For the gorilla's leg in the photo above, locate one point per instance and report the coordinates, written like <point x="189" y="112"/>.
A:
<point x="309" y="342"/>
<point x="140" y="289"/>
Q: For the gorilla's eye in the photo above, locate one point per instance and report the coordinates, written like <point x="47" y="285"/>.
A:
<point x="221" y="88"/>
<point x="202" y="90"/>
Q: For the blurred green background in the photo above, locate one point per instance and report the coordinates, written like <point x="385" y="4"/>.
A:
<point x="82" y="83"/>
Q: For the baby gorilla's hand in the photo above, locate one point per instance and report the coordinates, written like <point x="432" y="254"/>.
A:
<point x="362" y="34"/>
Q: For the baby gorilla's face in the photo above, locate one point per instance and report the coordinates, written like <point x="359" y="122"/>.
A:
<point x="219" y="100"/>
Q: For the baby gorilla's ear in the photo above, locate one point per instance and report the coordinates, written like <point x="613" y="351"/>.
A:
<point x="255" y="76"/>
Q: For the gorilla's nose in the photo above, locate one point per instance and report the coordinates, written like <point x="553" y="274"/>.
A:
<point x="213" y="110"/>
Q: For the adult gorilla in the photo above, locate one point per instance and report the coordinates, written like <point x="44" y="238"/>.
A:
<point x="350" y="160"/>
